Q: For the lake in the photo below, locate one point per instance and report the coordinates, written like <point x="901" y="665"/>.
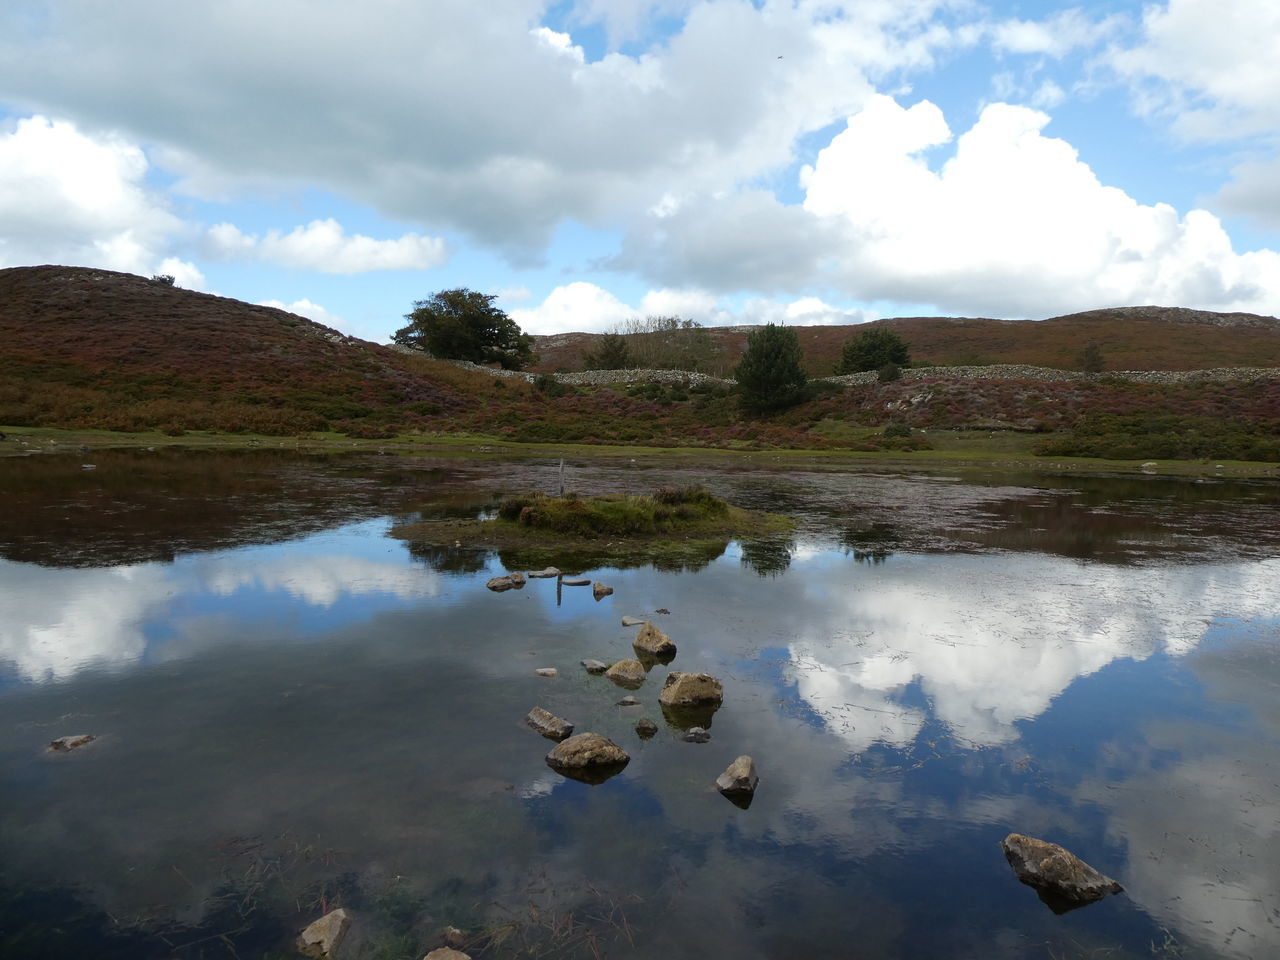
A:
<point x="298" y="707"/>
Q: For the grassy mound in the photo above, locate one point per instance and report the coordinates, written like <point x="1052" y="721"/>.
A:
<point x="617" y="515"/>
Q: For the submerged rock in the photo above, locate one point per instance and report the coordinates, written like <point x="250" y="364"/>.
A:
<point x="322" y="938"/>
<point x="576" y="581"/>
<point x="594" y="666"/>
<point x="739" y="778"/>
<point x="447" y="953"/>
<point x="628" y="702"/>
<point x="547" y="672"/>
<point x="512" y="581"/>
<point x="646" y="728"/>
<point x="588" y="757"/>
<point x="600" y="590"/>
<point x="548" y="724"/>
<point x="691" y="689"/>
<point x="654" y="642"/>
<point x="67" y="744"/>
<point x="632" y="621"/>
<point x="695" y="735"/>
<point x="627" y="673"/>
<point x="1056" y="872"/>
<point x="454" y="937"/>
<point x="542" y="574"/>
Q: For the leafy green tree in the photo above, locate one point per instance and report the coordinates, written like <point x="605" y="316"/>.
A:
<point x="873" y="349"/>
<point x="611" y="354"/>
<point x="462" y="324"/>
<point x="770" y="376"/>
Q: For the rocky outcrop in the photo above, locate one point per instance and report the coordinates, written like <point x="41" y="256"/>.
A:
<point x="588" y="757"/>
<point x="548" y="724"/>
<point x="67" y="744"/>
<point x="654" y="642"/>
<point x="627" y="673"/>
<point x="512" y="581"/>
<point x="691" y="690"/>
<point x="739" y="778"/>
<point x="600" y="590"/>
<point x="594" y="666"/>
<point x="1056" y="872"/>
<point x="323" y="937"/>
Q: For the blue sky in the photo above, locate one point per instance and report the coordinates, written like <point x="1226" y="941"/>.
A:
<point x="731" y="162"/>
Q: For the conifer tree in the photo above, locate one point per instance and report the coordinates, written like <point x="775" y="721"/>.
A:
<point x="770" y="376"/>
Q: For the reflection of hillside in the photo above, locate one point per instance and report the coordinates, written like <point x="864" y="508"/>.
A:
<point x="137" y="507"/>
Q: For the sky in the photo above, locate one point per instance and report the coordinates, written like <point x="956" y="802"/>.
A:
<point x="588" y="161"/>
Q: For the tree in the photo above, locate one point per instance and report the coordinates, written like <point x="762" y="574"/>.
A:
<point x="873" y="349"/>
<point x="462" y="324"/>
<point x="612" y="354"/>
<point x="1091" y="359"/>
<point x="770" y="376"/>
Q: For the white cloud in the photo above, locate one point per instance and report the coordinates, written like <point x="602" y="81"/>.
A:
<point x="324" y="246"/>
<point x="68" y="197"/>
<point x="1055" y="36"/>
<point x="1254" y="191"/>
<point x="184" y="273"/>
<point x="305" y="308"/>
<point x="574" y="307"/>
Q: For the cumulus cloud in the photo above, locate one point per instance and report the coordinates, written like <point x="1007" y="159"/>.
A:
<point x="1254" y="191"/>
<point x="1054" y="36"/>
<point x="69" y="197"/>
<point x="578" y="306"/>
<point x="324" y="246"/>
<point x="305" y="308"/>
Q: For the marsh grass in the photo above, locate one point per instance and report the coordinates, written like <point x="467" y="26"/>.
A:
<point x="665" y="511"/>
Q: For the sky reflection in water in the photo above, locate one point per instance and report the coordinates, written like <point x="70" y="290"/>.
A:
<point x="904" y="714"/>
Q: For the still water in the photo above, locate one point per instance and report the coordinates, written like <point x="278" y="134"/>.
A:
<point x="296" y="707"/>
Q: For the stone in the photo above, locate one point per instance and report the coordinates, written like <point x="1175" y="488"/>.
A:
<point x="690" y="689"/>
<point x="654" y="642"/>
<point x="594" y="666"/>
<point x="543" y="574"/>
<point x="447" y="953"/>
<point x="633" y="621"/>
<point x="646" y="728"/>
<point x="662" y="610"/>
<point x="739" y="778"/>
<point x="454" y="937"/>
<point x="322" y="938"/>
<point x="600" y="590"/>
<point x="627" y="673"/>
<point x="1056" y="873"/>
<point x="628" y="702"/>
<point x="695" y="735"/>
<point x="548" y="724"/>
<point x="547" y="672"/>
<point x="67" y="744"/>
<point x="588" y="757"/>
<point x="512" y="581"/>
<point x="576" y="581"/>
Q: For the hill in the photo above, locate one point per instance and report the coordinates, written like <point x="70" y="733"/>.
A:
<point x="99" y="349"/>
<point x="1131" y="338"/>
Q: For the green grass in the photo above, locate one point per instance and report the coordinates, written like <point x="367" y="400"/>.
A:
<point x="617" y="515"/>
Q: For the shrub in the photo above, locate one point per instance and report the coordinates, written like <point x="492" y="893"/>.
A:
<point x="873" y="349"/>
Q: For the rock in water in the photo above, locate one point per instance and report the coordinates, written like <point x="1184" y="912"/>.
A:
<point x="548" y="724"/>
<point x="547" y="672"/>
<point x="324" y="936"/>
<point x="1055" y="871"/>
<point x="654" y="642"/>
<point x="646" y="728"/>
<point x="628" y="702"/>
<point x="67" y="744"/>
<point x="575" y="581"/>
<point x="594" y="666"/>
<point x="454" y="937"/>
<point x="600" y="591"/>
<point x="690" y="690"/>
<point x="512" y="581"/>
<point x="548" y="572"/>
<point x="739" y="778"/>
<point x="588" y="757"/>
<point x="695" y="735"/>
<point x="632" y="621"/>
<point x="627" y="673"/>
<point x="447" y="953"/>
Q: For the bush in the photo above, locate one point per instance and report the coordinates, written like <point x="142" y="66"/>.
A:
<point x="770" y="376"/>
<point x="872" y="349"/>
<point x="896" y="430"/>
<point x="889" y="372"/>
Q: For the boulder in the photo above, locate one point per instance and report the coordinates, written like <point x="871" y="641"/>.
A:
<point x="691" y="690"/>
<point x="600" y="590"/>
<point x="576" y="581"/>
<point x="739" y="778"/>
<point x="627" y="673"/>
<point x="67" y="744"/>
<point x="547" y="672"/>
<point x="543" y="574"/>
<point x="548" y="724"/>
<point x="695" y="735"/>
<point x="628" y="702"/>
<point x="646" y="728"/>
<point x="1056" y="872"/>
<point x="654" y="642"/>
<point x="632" y="621"/>
<point x="512" y="581"/>
<point x="588" y="757"/>
<point x="322" y="938"/>
<point x="594" y="666"/>
<point x="447" y="953"/>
